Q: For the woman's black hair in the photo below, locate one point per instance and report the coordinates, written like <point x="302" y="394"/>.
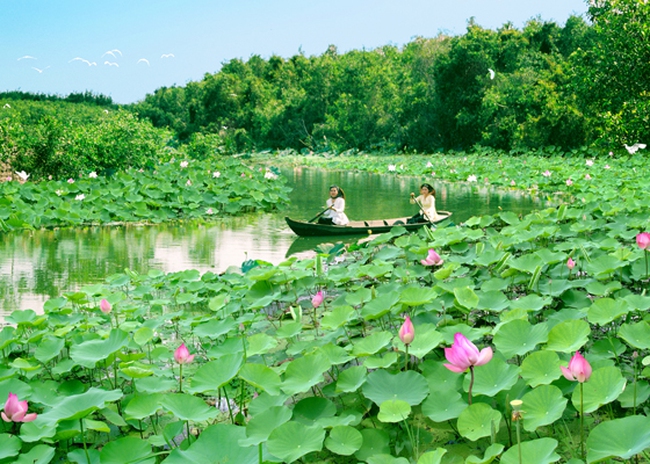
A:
<point x="429" y="187"/>
<point x="341" y="192"/>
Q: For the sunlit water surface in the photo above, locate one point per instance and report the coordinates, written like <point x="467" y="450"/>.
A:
<point x="36" y="266"/>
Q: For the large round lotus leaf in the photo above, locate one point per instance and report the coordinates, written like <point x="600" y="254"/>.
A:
<point x="310" y="409"/>
<point x="386" y="459"/>
<point x="9" y="445"/>
<point x="530" y="303"/>
<point x="541" y="368"/>
<point x="426" y="339"/>
<point x="260" y="343"/>
<point x="416" y="296"/>
<point x="262" y="377"/>
<point x="42" y="454"/>
<point x="493" y="377"/>
<point x="127" y="449"/>
<point x="478" y="420"/>
<point x="408" y="386"/>
<point x="261" y="425"/>
<point x="393" y="411"/>
<point x="603" y="266"/>
<point x="432" y="457"/>
<point x="540" y="451"/>
<point x="351" y="379"/>
<point x="604" y="386"/>
<point x="518" y="337"/>
<point x="213" y="375"/>
<point x="443" y="405"/>
<point x="88" y="353"/>
<point x="142" y="405"/>
<point x="337" y="317"/>
<point x="380" y="361"/>
<point x="605" y="310"/>
<point x="491" y="452"/>
<point x="622" y="438"/>
<point x="466" y="297"/>
<point x="303" y="373"/>
<point x="188" y="407"/>
<point x="634" y="395"/>
<point x="217" y="444"/>
<point x="636" y="335"/>
<point x="543" y="405"/>
<point x="371" y="344"/>
<point x="293" y="440"/>
<point x="568" y="336"/>
<point x="344" y="440"/>
<point x="494" y="301"/>
<point x="375" y="441"/>
<point x="439" y="377"/>
<point x="335" y="354"/>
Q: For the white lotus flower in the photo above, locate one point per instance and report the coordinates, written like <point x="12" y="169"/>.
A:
<point x="392" y="168"/>
<point x="80" y="197"/>
<point x="184" y="164"/>
<point x="216" y="174"/>
<point x="93" y="175"/>
<point x="471" y="178"/>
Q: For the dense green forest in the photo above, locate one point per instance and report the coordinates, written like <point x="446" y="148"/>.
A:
<point x="584" y="83"/>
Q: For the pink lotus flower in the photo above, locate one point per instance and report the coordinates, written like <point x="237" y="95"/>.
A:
<point x="546" y="173"/>
<point x="569" y="182"/>
<point x="105" y="306"/>
<point x="570" y="263"/>
<point x="513" y="183"/>
<point x="432" y="259"/>
<point x="317" y="300"/>
<point x="643" y="240"/>
<point x="463" y="354"/>
<point x="589" y="162"/>
<point x="587" y="177"/>
<point x="182" y="355"/>
<point x="16" y="411"/>
<point x="579" y="369"/>
<point x="407" y="331"/>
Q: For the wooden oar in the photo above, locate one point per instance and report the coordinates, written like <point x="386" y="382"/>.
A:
<point x="319" y="215"/>
<point x="423" y="211"/>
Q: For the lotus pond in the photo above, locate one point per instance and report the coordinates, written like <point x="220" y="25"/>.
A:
<point x="529" y="342"/>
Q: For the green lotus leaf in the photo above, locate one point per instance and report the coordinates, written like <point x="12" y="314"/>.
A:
<point x="155" y="384"/>
<point x="143" y="335"/>
<point x="518" y="337"/>
<point x="494" y="300"/>
<point x="288" y="330"/>
<point x="335" y="354"/>
<point x="416" y="296"/>
<point x="491" y="452"/>
<point x="311" y="409"/>
<point x="439" y="377"/>
<point x="262" y="377"/>
<point x="478" y="420"/>
<point x="383" y="361"/>
<point x="142" y="406"/>
<point x="394" y="411"/>
<point x="636" y="335"/>
<point x="375" y="442"/>
<point x="351" y="379"/>
<point x="530" y="303"/>
<point x="42" y="454"/>
<point x="344" y="440"/>
<point x="136" y="369"/>
<point x="605" y="310"/>
<point x="602" y="289"/>
<point x="604" y="266"/>
<point x="443" y="405"/>
<point x="261" y="425"/>
<point x="359" y="297"/>
<point x="211" y="376"/>
<point x="380" y="306"/>
<point x="426" y="339"/>
<point x="9" y="445"/>
<point x="568" y="336"/>
<point x="634" y="395"/>
<point x="303" y="373"/>
<point x="386" y="459"/>
<point x="604" y="386"/>
<point x="493" y="377"/>
<point x="127" y="450"/>
<point x="215" y="328"/>
<point x="48" y="349"/>
<point x="408" y="386"/>
<point x="260" y="343"/>
<point x="622" y="438"/>
<point x="466" y="297"/>
<point x="526" y="263"/>
<point x="540" y="451"/>
<point x="292" y="440"/>
<point x="88" y="353"/>
<point x="188" y="407"/>
<point x="541" y="368"/>
<point x="337" y="317"/>
<point x="371" y="344"/>
<point x="542" y="406"/>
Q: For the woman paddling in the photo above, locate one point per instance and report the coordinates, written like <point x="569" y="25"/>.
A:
<point x="427" y="202"/>
<point x="335" y="208"/>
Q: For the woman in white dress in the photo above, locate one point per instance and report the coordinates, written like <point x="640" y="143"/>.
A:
<point x="336" y="206"/>
<point x="427" y="201"/>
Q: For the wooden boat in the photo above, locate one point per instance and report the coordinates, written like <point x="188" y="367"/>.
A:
<point x="377" y="226"/>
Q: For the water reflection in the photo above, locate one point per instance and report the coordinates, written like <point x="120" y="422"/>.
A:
<point x="35" y="266"/>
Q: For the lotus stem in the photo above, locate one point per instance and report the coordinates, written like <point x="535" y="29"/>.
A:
<point x="582" y="422"/>
<point x="645" y="253"/>
<point x="180" y="378"/>
<point x="471" y="384"/>
<point x="83" y="438"/>
<point x="406" y="359"/>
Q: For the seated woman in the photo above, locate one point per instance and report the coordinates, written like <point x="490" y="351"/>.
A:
<point x="427" y="202"/>
<point x="336" y="207"/>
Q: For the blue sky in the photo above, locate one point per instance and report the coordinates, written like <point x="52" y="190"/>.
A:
<point x="43" y="42"/>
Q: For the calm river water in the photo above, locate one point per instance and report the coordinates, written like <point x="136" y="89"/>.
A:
<point x="36" y="266"/>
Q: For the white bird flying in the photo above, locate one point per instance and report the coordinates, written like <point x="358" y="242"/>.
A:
<point x="492" y="73"/>
<point x="143" y="60"/>
<point x="40" y="71"/>
<point x="26" y="57"/>
<point x="111" y="63"/>
<point x="633" y="149"/>
<point x="112" y="53"/>
<point x="89" y="63"/>
<point x="167" y="55"/>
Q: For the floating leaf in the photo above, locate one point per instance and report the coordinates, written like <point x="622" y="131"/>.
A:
<point x="88" y="353"/>
<point x="568" y="336"/>
<point x="188" y="407"/>
<point x="293" y="440"/>
<point x="303" y="373"/>
<point x="636" y="335"/>
<point x="344" y="440"/>
<point x="394" y="411"/>
<point x="543" y="405"/>
<point x="540" y="451"/>
<point x="541" y="368"/>
<point x="604" y="386"/>
<point x="491" y="452"/>
<point x="9" y="445"/>
<point x="211" y="376"/>
<point x="493" y="377"/>
<point x="518" y="337"/>
<point x="416" y="296"/>
<point x="622" y="438"/>
<point x="605" y="310"/>
<point x="309" y="410"/>
<point x="261" y="425"/>
<point x="375" y="441"/>
<point x="371" y="344"/>
<point x="351" y="379"/>
<point x="443" y="405"/>
<point x="466" y="297"/>
<point x="478" y="420"/>
<point x="408" y="386"/>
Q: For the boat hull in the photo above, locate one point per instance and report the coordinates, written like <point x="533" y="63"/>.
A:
<point x="377" y="226"/>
